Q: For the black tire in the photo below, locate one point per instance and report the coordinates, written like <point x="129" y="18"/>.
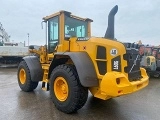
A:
<point x="77" y="94"/>
<point x="27" y="85"/>
<point x="149" y="74"/>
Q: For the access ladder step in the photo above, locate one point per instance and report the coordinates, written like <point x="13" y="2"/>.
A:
<point x="45" y="86"/>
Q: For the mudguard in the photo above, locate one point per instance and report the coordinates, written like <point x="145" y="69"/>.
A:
<point x="84" y="66"/>
<point x="35" y="68"/>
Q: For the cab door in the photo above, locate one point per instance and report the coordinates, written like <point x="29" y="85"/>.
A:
<point x="53" y="34"/>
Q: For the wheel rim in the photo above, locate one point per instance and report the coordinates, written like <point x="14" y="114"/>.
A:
<point x="61" y="89"/>
<point x="22" y="76"/>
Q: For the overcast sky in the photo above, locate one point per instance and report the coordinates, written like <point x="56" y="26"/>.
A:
<point x="135" y="20"/>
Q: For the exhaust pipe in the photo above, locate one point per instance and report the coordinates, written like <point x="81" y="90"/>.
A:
<point x="110" y="30"/>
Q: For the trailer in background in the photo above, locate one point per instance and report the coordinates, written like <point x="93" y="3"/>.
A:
<point x="12" y="53"/>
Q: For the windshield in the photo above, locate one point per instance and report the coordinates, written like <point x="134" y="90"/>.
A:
<point x="75" y="27"/>
<point x="145" y="50"/>
<point x="148" y="51"/>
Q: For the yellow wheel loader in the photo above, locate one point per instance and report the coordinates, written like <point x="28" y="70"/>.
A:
<point x="72" y="62"/>
<point x="156" y="54"/>
<point x="149" y="60"/>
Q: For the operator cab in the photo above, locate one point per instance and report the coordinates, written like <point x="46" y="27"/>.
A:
<point x="63" y="25"/>
<point x="145" y="50"/>
<point x="156" y="53"/>
<point x="148" y="51"/>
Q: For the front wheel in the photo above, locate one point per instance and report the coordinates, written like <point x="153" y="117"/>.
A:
<point x="66" y="91"/>
<point x="24" y="78"/>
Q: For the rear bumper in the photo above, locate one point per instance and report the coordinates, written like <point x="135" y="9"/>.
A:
<point x="115" y="84"/>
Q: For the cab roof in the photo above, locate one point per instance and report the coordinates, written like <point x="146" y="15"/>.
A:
<point x="66" y="13"/>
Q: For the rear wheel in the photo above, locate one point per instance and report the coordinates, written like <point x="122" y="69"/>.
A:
<point x="66" y="91"/>
<point x="24" y="78"/>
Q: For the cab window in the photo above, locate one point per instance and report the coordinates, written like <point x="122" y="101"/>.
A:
<point x="75" y="27"/>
